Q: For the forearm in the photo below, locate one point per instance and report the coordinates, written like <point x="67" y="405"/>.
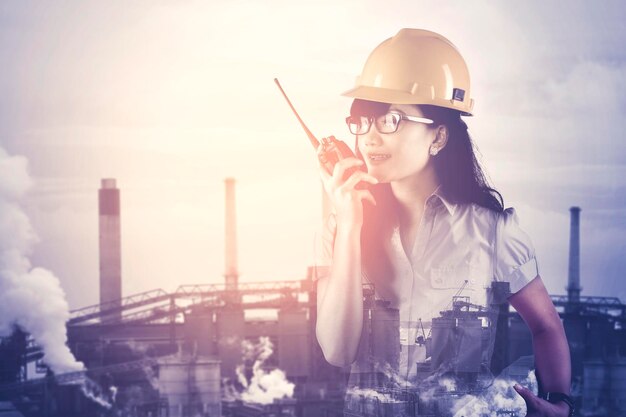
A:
<point x="340" y="301"/>
<point x="552" y="359"/>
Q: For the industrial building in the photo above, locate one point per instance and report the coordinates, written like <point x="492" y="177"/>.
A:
<point x="179" y="353"/>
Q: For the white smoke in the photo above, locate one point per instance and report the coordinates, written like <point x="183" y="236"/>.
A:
<point x="229" y="392"/>
<point x="90" y="388"/>
<point x="263" y="387"/>
<point x="428" y="393"/>
<point x="499" y="396"/>
<point x="113" y="391"/>
<point x="151" y="377"/>
<point x="432" y="387"/>
<point x="449" y="384"/>
<point x="393" y="376"/>
<point x="370" y="393"/>
<point x="31" y="298"/>
<point x="445" y="391"/>
<point x="93" y="391"/>
<point x="241" y="376"/>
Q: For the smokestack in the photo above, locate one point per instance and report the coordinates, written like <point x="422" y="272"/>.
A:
<point x="110" y="245"/>
<point x="573" y="285"/>
<point x="231" y="274"/>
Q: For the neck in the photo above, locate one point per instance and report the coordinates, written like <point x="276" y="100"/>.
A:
<point x="412" y="192"/>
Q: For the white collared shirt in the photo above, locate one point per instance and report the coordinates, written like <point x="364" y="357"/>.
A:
<point x="454" y="243"/>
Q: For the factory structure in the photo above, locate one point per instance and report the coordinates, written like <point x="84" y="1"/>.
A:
<point x="197" y="352"/>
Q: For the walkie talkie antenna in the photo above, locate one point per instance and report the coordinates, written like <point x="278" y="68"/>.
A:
<point x="312" y="138"/>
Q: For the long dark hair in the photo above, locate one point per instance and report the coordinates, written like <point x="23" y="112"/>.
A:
<point x="457" y="168"/>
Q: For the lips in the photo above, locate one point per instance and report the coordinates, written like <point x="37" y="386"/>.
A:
<point x="378" y="156"/>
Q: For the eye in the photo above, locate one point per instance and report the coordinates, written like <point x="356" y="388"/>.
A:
<point x="388" y="120"/>
<point x="387" y="123"/>
<point x="357" y="124"/>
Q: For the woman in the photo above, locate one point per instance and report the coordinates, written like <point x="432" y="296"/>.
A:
<point x="414" y="215"/>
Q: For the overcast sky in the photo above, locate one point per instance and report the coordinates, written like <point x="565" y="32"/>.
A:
<point x="171" y="97"/>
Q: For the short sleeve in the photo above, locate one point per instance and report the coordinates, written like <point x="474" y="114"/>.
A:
<point x="515" y="260"/>
<point x="324" y="248"/>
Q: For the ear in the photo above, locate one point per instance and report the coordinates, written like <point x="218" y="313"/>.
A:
<point x="441" y="137"/>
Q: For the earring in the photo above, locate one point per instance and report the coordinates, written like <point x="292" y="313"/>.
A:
<point x="434" y="151"/>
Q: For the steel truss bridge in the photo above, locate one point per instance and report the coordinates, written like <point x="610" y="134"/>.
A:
<point x="155" y="305"/>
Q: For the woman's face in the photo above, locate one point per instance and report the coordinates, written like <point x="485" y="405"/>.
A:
<point x="400" y="155"/>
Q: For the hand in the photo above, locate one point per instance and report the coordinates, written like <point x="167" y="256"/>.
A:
<point x="345" y="197"/>
<point x="538" y="407"/>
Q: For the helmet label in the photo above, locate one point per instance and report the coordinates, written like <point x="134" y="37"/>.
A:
<point x="458" y="94"/>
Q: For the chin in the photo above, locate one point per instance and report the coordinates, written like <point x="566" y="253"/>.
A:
<point x="381" y="176"/>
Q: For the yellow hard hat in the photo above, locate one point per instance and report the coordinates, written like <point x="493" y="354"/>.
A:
<point x="416" y="67"/>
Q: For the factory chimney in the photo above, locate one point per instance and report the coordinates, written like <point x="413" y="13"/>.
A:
<point x="573" y="285"/>
<point x="231" y="274"/>
<point x="110" y="245"/>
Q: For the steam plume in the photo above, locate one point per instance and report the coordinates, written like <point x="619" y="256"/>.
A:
<point x="499" y="396"/>
<point x="31" y="298"/>
<point x="263" y="387"/>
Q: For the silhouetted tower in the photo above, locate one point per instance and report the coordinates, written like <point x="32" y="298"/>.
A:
<point x="110" y="245"/>
<point x="573" y="281"/>
<point x="231" y="274"/>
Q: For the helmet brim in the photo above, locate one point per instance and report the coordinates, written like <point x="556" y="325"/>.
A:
<point x="390" y="96"/>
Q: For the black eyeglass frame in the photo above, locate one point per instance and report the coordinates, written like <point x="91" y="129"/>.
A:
<point x="371" y="121"/>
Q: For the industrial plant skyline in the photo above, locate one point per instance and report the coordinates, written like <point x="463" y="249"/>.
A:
<point x="130" y="271"/>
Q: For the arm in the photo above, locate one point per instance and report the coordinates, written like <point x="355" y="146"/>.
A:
<point x="340" y="295"/>
<point x="550" y="346"/>
<point x="340" y="301"/>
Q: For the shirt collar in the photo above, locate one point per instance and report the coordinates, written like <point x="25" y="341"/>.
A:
<point x="439" y="196"/>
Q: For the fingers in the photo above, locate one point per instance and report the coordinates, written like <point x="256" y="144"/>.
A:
<point x="532" y="401"/>
<point x="342" y="169"/>
<point x="366" y="195"/>
<point x="346" y="196"/>
<point x="350" y="186"/>
<point x="324" y="175"/>
<point x="322" y="160"/>
<point x="343" y="165"/>
<point x="357" y="177"/>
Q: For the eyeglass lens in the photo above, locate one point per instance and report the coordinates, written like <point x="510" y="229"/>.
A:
<point x="386" y="123"/>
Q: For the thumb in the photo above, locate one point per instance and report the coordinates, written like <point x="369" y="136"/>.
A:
<point x="528" y="396"/>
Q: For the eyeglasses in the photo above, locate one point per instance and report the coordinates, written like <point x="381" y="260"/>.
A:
<point x="387" y="123"/>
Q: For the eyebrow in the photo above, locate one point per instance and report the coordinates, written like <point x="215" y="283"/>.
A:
<point x="396" y="110"/>
<point x="392" y="110"/>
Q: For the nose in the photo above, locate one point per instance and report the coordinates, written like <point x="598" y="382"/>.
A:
<point x="371" y="138"/>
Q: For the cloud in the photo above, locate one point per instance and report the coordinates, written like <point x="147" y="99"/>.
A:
<point x="15" y="179"/>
